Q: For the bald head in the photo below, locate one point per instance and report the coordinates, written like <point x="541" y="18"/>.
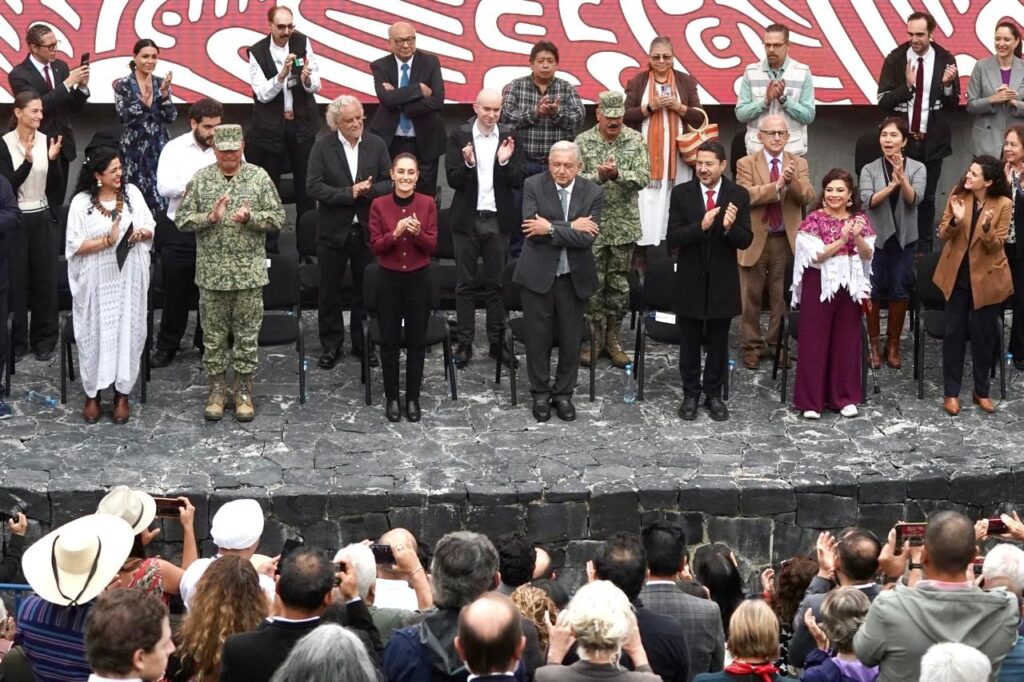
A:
<point x="394" y="538"/>
<point x="773" y="133"/>
<point x="402" y="37"/>
<point x="490" y="638"/>
<point x="487" y="109"/>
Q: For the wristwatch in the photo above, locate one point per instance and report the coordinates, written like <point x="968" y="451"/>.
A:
<point x="916" y="566"/>
<point x="783" y="99"/>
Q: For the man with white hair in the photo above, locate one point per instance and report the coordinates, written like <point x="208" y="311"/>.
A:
<point x="1004" y="569"/>
<point x="359" y="558"/>
<point x="953" y="662"/>
<point x="236" y="529"/>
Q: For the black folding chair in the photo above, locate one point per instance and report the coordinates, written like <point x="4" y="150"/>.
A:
<point x="282" y="311"/>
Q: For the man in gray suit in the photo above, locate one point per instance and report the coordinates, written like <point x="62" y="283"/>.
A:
<point x="561" y="219"/>
<point x="665" y="545"/>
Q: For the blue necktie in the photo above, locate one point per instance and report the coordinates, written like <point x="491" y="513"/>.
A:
<point x="404" y="124"/>
<point x="563" y="196"/>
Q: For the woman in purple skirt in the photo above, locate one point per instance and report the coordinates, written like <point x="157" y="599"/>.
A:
<point x="831" y="278"/>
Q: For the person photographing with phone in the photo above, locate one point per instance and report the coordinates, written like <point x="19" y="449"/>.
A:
<point x="14" y="547"/>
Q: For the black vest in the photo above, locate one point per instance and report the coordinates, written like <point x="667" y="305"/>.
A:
<point x="267" y="126"/>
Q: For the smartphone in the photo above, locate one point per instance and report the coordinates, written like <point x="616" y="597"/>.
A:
<point x="383" y="554"/>
<point x="978" y="563"/>
<point x="665" y="89"/>
<point x="85" y="58"/>
<point x="912" y="532"/>
<point x="996" y="526"/>
<point x="168" y="507"/>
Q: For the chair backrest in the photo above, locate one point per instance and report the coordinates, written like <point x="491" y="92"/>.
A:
<point x="867" y="150"/>
<point x="371" y="276"/>
<point x="305" y="235"/>
<point x="787" y="283"/>
<point x="445" y="241"/>
<point x="659" y="285"/>
<point x="510" y="295"/>
<point x="283" y="290"/>
<point x="928" y="293"/>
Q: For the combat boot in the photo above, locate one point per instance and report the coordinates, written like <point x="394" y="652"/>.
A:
<point x="215" y="401"/>
<point x="597" y="332"/>
<point x="611" y="344"/>
<point x="244" y="410"/>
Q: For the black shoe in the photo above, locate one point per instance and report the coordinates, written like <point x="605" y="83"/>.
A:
<point x="1018" y="364"/>
<point x="393" y="411"/>
<point x="541" y="409"/>
<point x="463" y="354"/>
<point x="499" y="350"/>
<point x="565" y="409"/>
<point x="19" y="353"/>
<point x="329" y="358"/>
<point x="161" y="358"/>
<point x="716" y="409"/>
<point x="412" y="409"/>
<point x="45" y="355"/>
<point x="688" y="410"/>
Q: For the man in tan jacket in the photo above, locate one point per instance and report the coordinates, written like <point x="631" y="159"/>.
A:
<point x="779" y="186"/>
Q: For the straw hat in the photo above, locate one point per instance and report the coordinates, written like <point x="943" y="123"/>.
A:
<point x="74" y="563"/>
<point x="135" y="507"/>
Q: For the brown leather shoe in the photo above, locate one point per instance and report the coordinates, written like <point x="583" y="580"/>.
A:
<point x="952" y="406"/>
<point x="122" y="411"/>
<point x="91" y="411"/>
<point x="984" y="403"/>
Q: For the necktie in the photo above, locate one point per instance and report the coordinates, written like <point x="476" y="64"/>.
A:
<point x="773" y="211"/>
<point x="711" y="200"/>
<point x="46" y="74"/>
<point x="563" y="257"/>
<point x="915" y="122"/>
<point x="404" y="124"/>
<point x="563" y="196"/>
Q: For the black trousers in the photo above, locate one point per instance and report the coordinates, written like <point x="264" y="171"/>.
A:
<point x="180" y="296"/>
<point x="4" y="348"/>
<point x="557" y="314"/>
<point x="403" y="296"/>
<point x="487" y="242"/>
<point x="427" y="184"/>
<point x="981" y="325"/>
<point x="1015" y="255"/>
<point x="33" y="282"/>
<point x="693" y="332"/>
<point x="271" y="161"/>
<point x="333" y="261"/>
<point x="926" y="210"/>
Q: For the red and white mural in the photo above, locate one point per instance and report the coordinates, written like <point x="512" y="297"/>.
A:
<point x="487" y="42"/>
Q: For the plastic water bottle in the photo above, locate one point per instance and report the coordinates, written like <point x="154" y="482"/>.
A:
<point x="732" y="376"/>
<point x="40" y="399"/>
<point x="629" y="387"/>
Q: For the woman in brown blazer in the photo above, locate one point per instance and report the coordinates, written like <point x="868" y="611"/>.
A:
<point x="974" y="276"/>
<point x="659" y="100"/>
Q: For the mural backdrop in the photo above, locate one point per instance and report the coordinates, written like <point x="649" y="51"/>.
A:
<point x="487" y="42"/>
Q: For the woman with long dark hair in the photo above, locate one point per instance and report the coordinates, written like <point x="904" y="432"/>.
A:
<point x="974" y="276"/>
<point x="143" y="102"/>
<point x="1013" y="157"/>
<point x="109" y="236"/>
<point x="714" y="567"/>
<point x="995" y="93"/>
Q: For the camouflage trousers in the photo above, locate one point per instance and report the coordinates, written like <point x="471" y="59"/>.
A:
<point x="611" y="299"/>
<point x="237" y="315"/>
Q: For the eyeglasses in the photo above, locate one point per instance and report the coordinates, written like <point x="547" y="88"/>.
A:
<point x="661" y="57"/>
<point x="285" y="27"/>
<point x="774" y="46"/>
<point x="775" y="133"/>
<point x="48" y="46"/>
<point x="404" y="41"/>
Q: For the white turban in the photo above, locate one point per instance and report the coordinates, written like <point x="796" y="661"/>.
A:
<point x="237" y="525"/>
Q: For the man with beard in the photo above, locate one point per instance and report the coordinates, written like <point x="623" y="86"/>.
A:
<point x="179" y="161"/>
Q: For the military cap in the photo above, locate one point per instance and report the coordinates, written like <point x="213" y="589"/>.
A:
<point x="227" y="137"/>
<point x="612" y="103"/>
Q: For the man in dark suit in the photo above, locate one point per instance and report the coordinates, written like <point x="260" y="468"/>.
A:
<point x="305" y="590"/>
<point x="561" y="220"/>
<point x="708" y="222"/>
<point x="490" y="640"/>
<point x="63" y="90"/>
<point x="483" y="165"/>
<point x="411" y="93"/>
<point x="701" y="619"/>
<point x="919" y="82"/>
<point x="347" y="170"/>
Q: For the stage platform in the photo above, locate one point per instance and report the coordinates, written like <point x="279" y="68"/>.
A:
<point x="335" y="471"/>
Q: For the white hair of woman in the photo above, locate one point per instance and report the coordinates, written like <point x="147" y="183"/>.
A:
<point x="602" y="619"/>
<point x="329" y="653"/>
<point x="953" y="662"/>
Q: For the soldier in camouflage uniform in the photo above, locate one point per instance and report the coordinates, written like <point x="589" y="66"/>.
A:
<point x="230" y="205"/>
<point x="615" y="157"/>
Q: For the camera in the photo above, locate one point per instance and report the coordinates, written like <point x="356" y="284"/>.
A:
<point x="19" y="508"/>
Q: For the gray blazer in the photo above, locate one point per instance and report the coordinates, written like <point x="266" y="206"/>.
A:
<point x="872" y="179"/>
<point x="701" y="620"/>
<point x="992" y="120"/>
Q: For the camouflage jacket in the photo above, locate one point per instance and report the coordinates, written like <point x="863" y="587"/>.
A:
<point x="620" y="219"/>
<point x="230" y="255"/>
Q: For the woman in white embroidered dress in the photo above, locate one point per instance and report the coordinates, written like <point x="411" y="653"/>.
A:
<point x="108" y="301"/>
<point x="831" y="278"/>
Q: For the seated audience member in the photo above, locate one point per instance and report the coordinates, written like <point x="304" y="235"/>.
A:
<point x="490" y="640"/>
<point x="714" y="567"/>
<point x="783" y="592"/>
<point x="905" y="621"/>
<point x="843" y="611"/>
<point x="753" y="644"/>
<point x="601" y="621"/>
<point x="305" y="589"/>
<point x="10" y="564"/>
<point x="665" y="546"/>
<point x="236" y="530"/>
<point x="1004" y="569"/>
<point x="229" y="580"/>
<point x="538" y="608"/>
<point x="398" y="586"/>
<point x="128" y="637"/>
<point x="386" y="620"/>
<point x="329" y="653"/>
<point x="67" y="569"/>
<point x="516" y="561"/>
<point x="622" y="561"/>
<point x="150" y="574"/>
<point x="852" y="561"/>
<point x="954" y="662"/>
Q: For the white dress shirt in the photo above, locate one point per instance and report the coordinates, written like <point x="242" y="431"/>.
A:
<point x="929" y="73"/>
<point x="398" y="126"/>
<point x="179" y="161"/>
<point x="394" y="594"/>
<point x="485" y="148"/>
<point x="714" y="192"/>
<point x="266" y="89"/>
<point x="352" y="157"/>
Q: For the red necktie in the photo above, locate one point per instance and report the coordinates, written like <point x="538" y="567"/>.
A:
<point x="915" y="122"/>
<point x="773" y="211"/>
<point x="46" y="74"/>
<point x="711" y="200"/>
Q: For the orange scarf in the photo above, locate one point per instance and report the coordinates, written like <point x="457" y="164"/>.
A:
<point x="657" y="145"/>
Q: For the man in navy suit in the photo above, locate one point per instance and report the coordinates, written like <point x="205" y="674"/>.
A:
<point x="490" y="640"/>
<point x="411" y="93"/>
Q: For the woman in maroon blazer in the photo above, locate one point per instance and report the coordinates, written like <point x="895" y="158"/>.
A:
<point x="403" y="236"/>
<point x="659" y="100"/>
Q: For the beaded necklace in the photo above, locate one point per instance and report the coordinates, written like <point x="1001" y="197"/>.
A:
<point x="103" y="210"/>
